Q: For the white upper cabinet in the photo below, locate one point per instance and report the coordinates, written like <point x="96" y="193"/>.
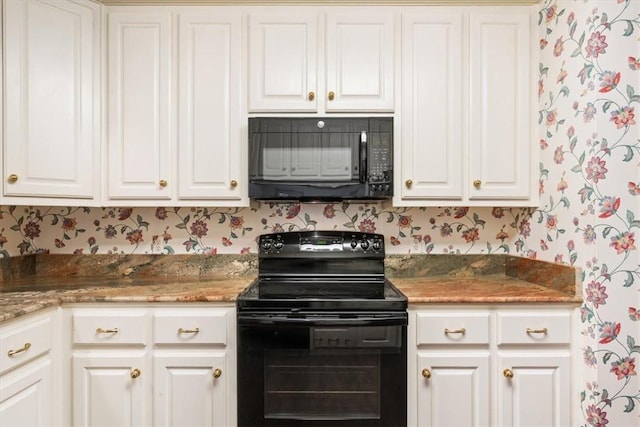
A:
<point x="139" y="142"/>
<point x="466" y="125"/>
<point x="174" y="122"/>
<point x="334" y="60"/>
<point x="51" y="102"/>
<point x="500" y="138"/>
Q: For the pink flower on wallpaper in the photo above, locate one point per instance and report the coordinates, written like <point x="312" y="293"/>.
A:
<point x="551" y="13"/>
<point x="571" y="18"/>
<point x="634" y="314"/>
<point x="589" y="235"/>
<point x="561" y="76"/>
<point x="624" y="368"/>
<point x="59" y="243"/>
<point x="394" y="241"/>
<point x="552" y="222"/>
<point x="634" y="189"/>
<point x="623" y="242"/>
<point x="524" y="228"/>
<point x="609" y="80"/>
<point x="471" y="235"/>
<point x="540" y="87"/>
<point x="446" y="230"/>
<point x="589" y="112"/>
<point x="236" y="222"/>
<point x="69" y="224"/>
<point x="199" y="228"/>
<point x="134" y="237"/>
<point x="293" y="211"/>
<point x="562" y="185"/>
<point x="497" y="212"/>
<point x="609" y="331"/>
<point x="558" y="155"/>
<point x="596" y="294"/>
<point x="404" y="221"/>
<point x="367" y="226"/>
<point x="161" y="213"/>
<point x="125" y="213"/>
<point x="623" y="117"/>
<point x="31" y="230"/>
<point x="558" y="47"/>
<point x="552" y="118"/>
<point x="461" y="212"/>
<point x="609" y="206"/>
<point x="596" y="169"/>
<point x="589" y="357"/>
<point x="226" y="242"/>
<point x="596" y="45"/>
<point x="543" y="43"/>
<point x="596" y="417"/>
<point x="329" y="211"/>
<point x="110" y="232"/>
<point x="634" y="63"/>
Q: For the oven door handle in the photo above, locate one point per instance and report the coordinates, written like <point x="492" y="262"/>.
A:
<point x="399" y="319"/>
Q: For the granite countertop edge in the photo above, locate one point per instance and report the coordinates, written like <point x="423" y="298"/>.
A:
<point x="448" y="279"/>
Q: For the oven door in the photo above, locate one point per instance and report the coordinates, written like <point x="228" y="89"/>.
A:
<point x="322" y="369"/>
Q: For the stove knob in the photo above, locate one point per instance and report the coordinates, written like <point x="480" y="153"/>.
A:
<point x="364" y="245"/>
<point x="354" y="243"/>
<point x="266" y="245"/>
<point x="278" y="245"/>
<point x="377" y="245"/>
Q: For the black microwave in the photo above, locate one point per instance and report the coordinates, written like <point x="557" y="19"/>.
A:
<point x="321" y="158"/>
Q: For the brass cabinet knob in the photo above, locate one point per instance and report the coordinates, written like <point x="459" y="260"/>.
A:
<point x="331" y="96"/>
<point x="508" y="373"/>
<point x="477" y="183"/>
<point x="426" y="374"/>
<point x="12" y="178"/>
<point x="311" y="96"/>
<point x="163" y="183"/>
<point x="233" y="183"/>
<point x="135" y="373"/>
<point x="25" y="347"/>
<point x="217" y="373"/>
<point x="408" y="183"/>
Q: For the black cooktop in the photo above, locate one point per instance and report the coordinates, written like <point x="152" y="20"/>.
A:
<point x="321" y="270"/>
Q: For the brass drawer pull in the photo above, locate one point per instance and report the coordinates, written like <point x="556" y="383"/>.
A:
<point x="25" y="347"/>
<point x="508" y="373"/>
<point x="426" y="374"/>
<point x="311" y="96"/>
<point x="448" y="331"/>
<point x="13" y="178"/>
<point x="107" y="331"/>
<point x="477" y="183"/>
<point x="536" y="331"/>
<point x="217" y="373"/>
<point x="331" y="96"/>
<point x="188" y="331"/>
<point x="135" y="373"/>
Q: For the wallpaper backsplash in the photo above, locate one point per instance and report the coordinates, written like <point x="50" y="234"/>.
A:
<point x="589" y="213"/>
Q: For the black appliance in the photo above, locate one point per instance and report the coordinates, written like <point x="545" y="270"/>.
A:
<point x="322" y="334"/>
<point x="320" y="159"/>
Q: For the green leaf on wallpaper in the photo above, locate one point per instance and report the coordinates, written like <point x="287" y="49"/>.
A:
<point x="630" y="404"/>
<point x="565" y="201"/>
<point x="605" y="359"/>
<point x="94" y="249"/>
<point x="576" y="52"/>
<point x="540" y="117"/>
<point x="142" y="223"/>
<point x="390" y="217"/>
<point x="401" y="234"/>
<point x="4" y="253"/>
<point x="222" y="218"/>
<point x="15" y="227"/>
<point x="542" y="69"/>
<point x="181" y="226"/>
<point x="606" y="231"/>
<point x="565" y="91"/>
<point x="549" y="31"/>
<point x="572" y="29"/>
<point x="573" y="258"/>
<point x="631" y="342"/>
<point x="576" y="169"/>
<point x="629" y="154"/>
<point x="629" y="280"/>
<point x="581" y="40"/>
<point x="629" y="30"/>
<point x="606" y="106"/>
<point x="630" y="216"/>
<point x="632" y="94"/>
<point x="234" y="235"/>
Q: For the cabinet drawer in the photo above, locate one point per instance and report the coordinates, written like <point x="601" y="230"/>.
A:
<point x="25" y="340"/>
<point x="190" y="327"/>
<point x="110" y="327"/>
<point x="534" y="328"/>
<point x="452" y="328"/>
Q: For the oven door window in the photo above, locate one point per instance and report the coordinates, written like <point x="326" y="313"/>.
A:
<point x="322" y="384"/>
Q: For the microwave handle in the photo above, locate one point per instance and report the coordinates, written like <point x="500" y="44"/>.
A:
<point x="363" y="156"/>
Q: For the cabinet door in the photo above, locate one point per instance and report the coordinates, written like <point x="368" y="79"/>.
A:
<point x="535" y="391"/>
<point x="25" y="395"/>
<point x="283" y="50"/>
<point x="453" y="389"/>
<point x="109" y="390"/>
<point x="190" y="390"/>
<point x="432" y="107"/>
<point x="139" y="113"/>
<point x="51" y="103"/>
<point x="360" y="60"/>
<point x="210" y="147"/>
<point x="500" y="138"/>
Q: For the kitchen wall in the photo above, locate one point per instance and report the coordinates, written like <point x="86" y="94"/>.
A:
<point x="589" y="214"/>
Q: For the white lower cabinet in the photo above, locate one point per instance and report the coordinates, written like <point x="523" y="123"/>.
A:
<point x="484" y="366"/>
<point x="27" y="379"/>
<point x="152" y="366"/>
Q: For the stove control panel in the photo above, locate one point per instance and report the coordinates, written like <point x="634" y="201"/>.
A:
<point x="337" y="243"/>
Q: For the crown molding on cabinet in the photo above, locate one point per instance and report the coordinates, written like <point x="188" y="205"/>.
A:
<point x="320" y="2"/>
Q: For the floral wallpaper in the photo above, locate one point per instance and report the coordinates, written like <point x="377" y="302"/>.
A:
<point x="589" y="214"/>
